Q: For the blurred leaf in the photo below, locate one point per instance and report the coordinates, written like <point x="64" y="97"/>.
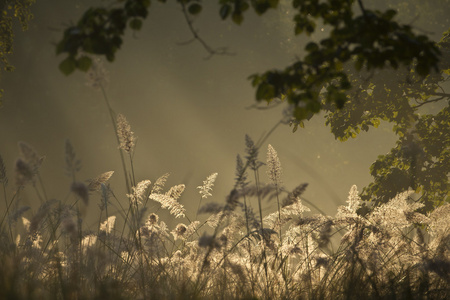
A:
<point x="225" y="11"/>
<point x="265" y="92"/>
<point x="84" y="63"/>
<point x="310" y="47"/>
<point x="68" y="65"/>
<point x="237" y="18"/>
<point x="136" y="24"/>
<point x="194" y="9"/>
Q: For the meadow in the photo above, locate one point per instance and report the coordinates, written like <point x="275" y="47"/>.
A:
<point x="233" y="249"/>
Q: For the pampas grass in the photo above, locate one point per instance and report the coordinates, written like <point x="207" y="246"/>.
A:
<point x="391" y="252"/>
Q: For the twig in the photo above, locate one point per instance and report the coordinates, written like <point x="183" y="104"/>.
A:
<point x="363" y="10"/>
<point x="429" y="101"/>
<point x="211" y="51"/>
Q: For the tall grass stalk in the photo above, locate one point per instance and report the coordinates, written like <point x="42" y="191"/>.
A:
<point x="392" y="252"/>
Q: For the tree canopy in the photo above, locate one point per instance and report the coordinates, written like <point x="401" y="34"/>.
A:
<point x="10" y="10"/>
<point x="419" y="110"/>
<point x="344" y="75"/>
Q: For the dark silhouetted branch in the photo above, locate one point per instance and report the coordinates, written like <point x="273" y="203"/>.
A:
<point x="211" y="51"/>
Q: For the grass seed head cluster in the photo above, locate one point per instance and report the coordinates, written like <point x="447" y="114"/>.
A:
<point x="224" y="250"/>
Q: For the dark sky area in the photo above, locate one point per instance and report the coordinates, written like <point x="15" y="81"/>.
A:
<point x="189" y="113"/>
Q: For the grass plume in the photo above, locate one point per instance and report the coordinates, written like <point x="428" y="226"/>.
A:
<point x="391" y="252"/>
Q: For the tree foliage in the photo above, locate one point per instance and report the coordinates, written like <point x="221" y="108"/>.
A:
<point x="10" y="10"/>
<point x="372" y="38"/>
<point x="419" y="110"/>
<point x="344" y="74"/>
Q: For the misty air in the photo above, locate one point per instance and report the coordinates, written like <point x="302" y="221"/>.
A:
<point x="237" y="149"/>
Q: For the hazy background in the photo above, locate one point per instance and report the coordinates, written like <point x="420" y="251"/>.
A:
<point x="190" y="114"/>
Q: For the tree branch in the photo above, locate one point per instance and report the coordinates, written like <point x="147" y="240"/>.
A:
<point x="211" y="51"/>
<point x="363" y="10"/>
<point x="430" y="101"/>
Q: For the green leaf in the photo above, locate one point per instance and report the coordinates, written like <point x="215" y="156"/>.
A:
<point x="237" y="18"/>
<point x="389" y="14"/>
<point x="84" y="63"/>
<point x="265" y="91"/>
<point x="225" y="11"/>
<point x="194" y="9"/>
<point x="422" y="69"/>
<point x="136" y="24"/>
<point x="376" y="123"/>
<point x="68" y="65"/>
<point x="310" y="47"/>
<point x="294" y="129"/>
<point x="110" y="56"/>
<point x="301" y="113"/>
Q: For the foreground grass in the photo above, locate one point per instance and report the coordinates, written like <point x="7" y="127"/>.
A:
<point x="392" y="252"/>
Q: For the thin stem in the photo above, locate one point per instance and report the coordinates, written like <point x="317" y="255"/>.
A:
<point x="261" y="227"/>
<point x="113" y="121"/>
<point x="249" y="245"/>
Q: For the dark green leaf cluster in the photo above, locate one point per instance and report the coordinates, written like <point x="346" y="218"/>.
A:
<point x="9" y="11"/>
<point x="371" y="40"/>
<point x="420" y="161"/>
<point x="99" y="31"/>
<point x="419" y="110"/>
<point x="236" y="8"/>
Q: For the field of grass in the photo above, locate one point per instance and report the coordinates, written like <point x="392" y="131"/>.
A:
<point x="237" y="249"/>
<point x="236" y="252"/>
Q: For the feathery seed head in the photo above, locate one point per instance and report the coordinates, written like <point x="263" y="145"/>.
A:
<point x="73" y="164"/>
<point x="354" y="200"/>
<point x="241" y="174"/>
<point x="354" y="203"/>
<point x="26" y="224"/>
<point x="27" y="166"/>
<point x="108" y="225"/>
<point x="274" y="165"/>
<point x="138" y="192"/>
<point x="23" y="172"/>
<point x="126" y="136"/>
<point x="152" y="219"/>
<point x="81" y="190"/>
<point x="252" y="154"/>
<point x="176" y="191"/>
<point x="68" y="225"/>
<point x="179" y="231"/>
<point x="88" y="241"/>
<point x="439" y="223"/>
<point x="96" y="183"/>
<point x="105" y="192"/>
<point x="294" y="196"/>
<point x="159" y="183"/>
<point x="29" y="155"/>
<point x="37" y="240"/>
<point x="232" y="200"/>
<point x="17" y="214"/>
<point x="169" y="203"/>
<point x="207" y="185"/>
